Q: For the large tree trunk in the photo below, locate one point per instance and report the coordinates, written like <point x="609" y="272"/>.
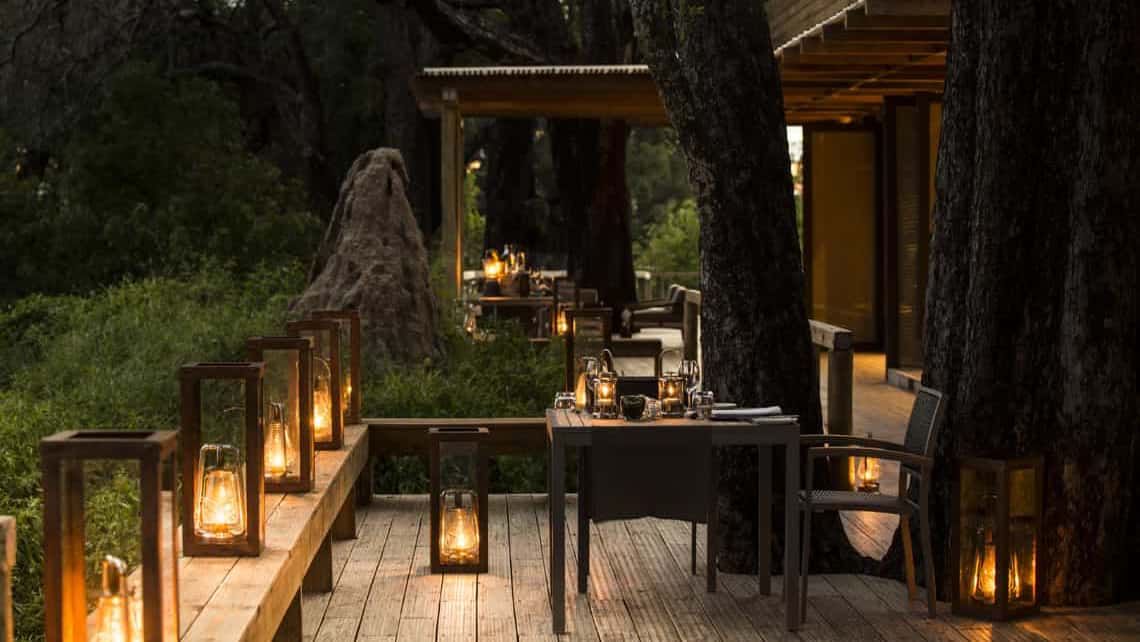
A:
<point x="1032" y="312"/>
<point x="510" y="185"/>
<point x="718" y="77"/>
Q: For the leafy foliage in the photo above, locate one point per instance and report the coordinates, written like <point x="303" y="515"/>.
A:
<point x="672" y="244"/>
<point x="108" y="360"/>
<point x="500" y="376"/>
<point x="157" y="180"/>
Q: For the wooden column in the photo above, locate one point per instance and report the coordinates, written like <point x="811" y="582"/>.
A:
<point x="7" y="561"/>
<point x="691" y="324"/>
<point x="451" y="186"/>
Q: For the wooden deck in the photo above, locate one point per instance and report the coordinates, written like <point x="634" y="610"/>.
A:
<point x="640" y="589"/>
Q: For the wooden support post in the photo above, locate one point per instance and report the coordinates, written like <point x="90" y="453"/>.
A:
<point x="290" y="629"/>
<point x="7" y="562"/>
<point x="451" y="187"/>
<point x="345" y="525"/>
<point x="364" y="485"/>
<point x="840" y="388"/>
<point x="691" y="324"/>
<point x="319" y="578"/>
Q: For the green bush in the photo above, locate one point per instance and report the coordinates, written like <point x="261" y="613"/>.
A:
<point x="109" y="360"/>
<point x="501" y="376"/>
<point x="673" y="243"/>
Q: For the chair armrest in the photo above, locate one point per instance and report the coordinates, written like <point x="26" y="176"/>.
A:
<point x="807" y="441"/>
<point x="645" y="305"/>
<point x="900" y="456"/>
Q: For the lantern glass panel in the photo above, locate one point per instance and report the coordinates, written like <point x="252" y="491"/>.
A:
<point x="220" y="507"/>
<point x="111" y="484"/>
<point x="605" y="394"/>
<point x="977" y="541"/>
<point x="459" y="503"/>
<point x="282" y="413"/>
<point x="1022" y="536"/>
<point x="670" y="391"/>
<point x="322" y="385"/>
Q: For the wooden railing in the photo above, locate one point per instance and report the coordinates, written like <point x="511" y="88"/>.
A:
<point x="837" y="342"/>
<point x="7" y="562"/>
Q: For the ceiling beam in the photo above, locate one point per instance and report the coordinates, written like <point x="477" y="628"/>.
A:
<point x="839" y="33"/>
<point x="859" y="19"/>
<point x="907" y="7"/>
<point x="819" y="46"/>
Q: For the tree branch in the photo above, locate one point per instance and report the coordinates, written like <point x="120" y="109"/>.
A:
<point x="443" y="18"/>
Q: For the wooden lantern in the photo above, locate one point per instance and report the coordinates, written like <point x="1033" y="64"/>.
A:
<point x="287" y="426"/>
<point x="328" y="429"/>
<point x="350" y="375"/>
<point x="133" y="607"/>
<point x="223" y="502"/>
<point x="997" y="537"/>
<point x="459" y="481"/>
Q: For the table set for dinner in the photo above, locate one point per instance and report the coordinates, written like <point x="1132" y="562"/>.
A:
<point x="642" y="455"/>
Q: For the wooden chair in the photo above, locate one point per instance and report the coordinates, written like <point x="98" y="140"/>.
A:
<point x="662" y="313"/>
<point x="916" y="462"/>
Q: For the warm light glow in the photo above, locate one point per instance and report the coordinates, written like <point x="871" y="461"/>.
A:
<point x="322" y="401"/>
<point x="493" y="266"/>
<point x="562" y="326"/>
<point x="984" y="579"/>
<point x="346" y="394"/>
<point x="221" y="511"/>
<point x="280" y="451"/>
<point x="581" y="392"/>
<point x="459" y="536"/>
<point x="118" y="612"/>
<point x="867" y="475"/>
<point x="669" y="389"/>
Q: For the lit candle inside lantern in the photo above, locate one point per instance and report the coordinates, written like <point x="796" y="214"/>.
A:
<point x="669" y="389"/>
<point x="279" y="453"/>
<point x="492" y="265"/>
<point x="221" y="505"/>
<point x="562" y="326"/>
<point x="984" y="581"/>
<point x="459" y="540"/>
<point x="118" y="617"/>
<point x="605" y="394"/>
<point x="346" y="394"/>
<point x="322" y="401"/>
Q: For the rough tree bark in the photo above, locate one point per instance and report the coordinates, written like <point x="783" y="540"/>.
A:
<point x="718" y="77"/>
<point x="509" y="185"/>
<point x="1032" y="310"/>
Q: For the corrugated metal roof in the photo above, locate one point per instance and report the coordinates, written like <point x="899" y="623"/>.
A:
<point x="838" y="18"/>
<point x="561" y="70"/>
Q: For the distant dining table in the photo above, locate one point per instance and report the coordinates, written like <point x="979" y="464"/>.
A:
<point x="534" y="312"/>
<point x="667" y="468"/>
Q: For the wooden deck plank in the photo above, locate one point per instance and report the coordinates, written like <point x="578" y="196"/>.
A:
<point x="528" y="572"/>
<point x="381" y="617"/>
<point x="651" y="594"/>
<point x="419" y="616"/>
<point x="650" y="616"/>
<point x="314" y="605"/>
<point x="681" y="601"/>
<point x="580" y="613"/>
<point x="722" y="609"/>
<point x="495" y="611"/>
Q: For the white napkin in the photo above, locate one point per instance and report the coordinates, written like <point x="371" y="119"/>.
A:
<point x="746" y="413"/>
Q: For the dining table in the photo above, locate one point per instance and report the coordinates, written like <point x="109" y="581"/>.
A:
<point x="635" y="453"/>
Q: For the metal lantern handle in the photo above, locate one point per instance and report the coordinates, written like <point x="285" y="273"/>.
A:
<point x="661" y="359"/>
<point x="607" y="359"/>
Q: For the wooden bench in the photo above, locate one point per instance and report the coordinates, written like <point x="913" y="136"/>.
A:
<point x="259" y="598"/>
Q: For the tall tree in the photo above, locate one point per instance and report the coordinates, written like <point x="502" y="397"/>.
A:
<point x="1033" y="316"/>
<point x="714" y="65"/>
